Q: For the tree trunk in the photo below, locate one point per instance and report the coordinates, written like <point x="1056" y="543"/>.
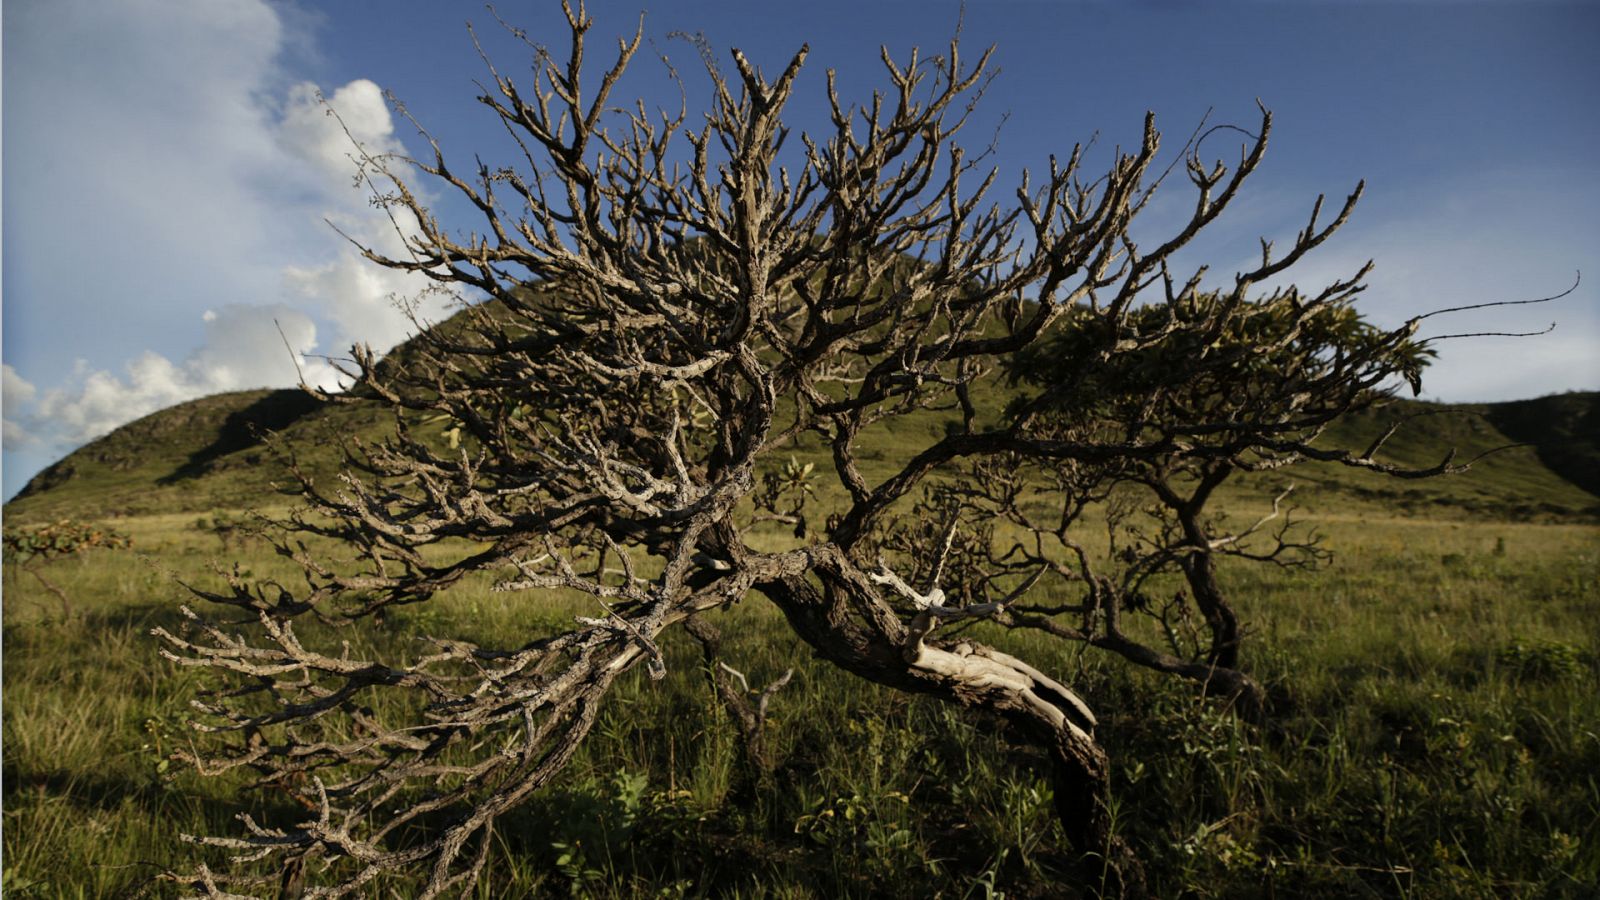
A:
<point x="1200" y="571"/>
<point x="1222" y="676"/>
<point x="66" y="602"/>
<point x="874" y="644"/>
<point x="749" y="719"/>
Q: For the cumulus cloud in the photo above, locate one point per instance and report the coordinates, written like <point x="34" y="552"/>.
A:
<point x="364" y="302"/>
<point x="367" y="304"/>
<point x="101" y="401"/>
<point x="15" y="389"/>
<point x="330" y="136"/>
<point x="251" y="346"/>
<point x="245" y="347"/>
<point x="205" y="220"/>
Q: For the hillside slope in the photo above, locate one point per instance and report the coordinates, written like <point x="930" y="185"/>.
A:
<point x="1564" y="429"/>
<point x="210" y="454"/>
<point x="205" y="454"/>
<point x="1526" y="462"/>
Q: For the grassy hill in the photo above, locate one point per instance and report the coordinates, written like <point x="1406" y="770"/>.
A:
<point x="213" y="453"/>
<point x="1542" y="462"/>
<point x="1538" y="465"/>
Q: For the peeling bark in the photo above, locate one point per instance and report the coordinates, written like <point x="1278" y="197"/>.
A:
<point x="987" y="681"/>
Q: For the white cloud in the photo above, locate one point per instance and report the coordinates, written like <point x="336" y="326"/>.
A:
<point x="246" y="347"/>
<point x="332" y="136"/>
<point x="15" y="391"/>
<point x="101" y="401"/>
<point x="250" y="346"/>
<point x="198" y="181"/>
<point x="15" y="437"/>
<point x="365" y="302"/>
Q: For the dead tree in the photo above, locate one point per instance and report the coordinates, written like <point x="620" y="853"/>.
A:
<point x="674" y="305"/>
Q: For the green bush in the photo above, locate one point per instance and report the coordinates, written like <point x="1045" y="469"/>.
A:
<point x="1541" y="660"/>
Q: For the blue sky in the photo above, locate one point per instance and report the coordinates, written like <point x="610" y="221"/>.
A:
<point x="168" y="171"/>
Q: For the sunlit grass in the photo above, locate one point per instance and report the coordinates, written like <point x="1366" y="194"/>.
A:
<point x="1434" y="735"/>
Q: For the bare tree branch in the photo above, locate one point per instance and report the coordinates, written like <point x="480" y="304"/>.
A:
<point x="672" y="305"/>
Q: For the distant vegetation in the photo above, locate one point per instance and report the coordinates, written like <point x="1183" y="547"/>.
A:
<point x="213" y="453"/>
<point x="31" y="547"/>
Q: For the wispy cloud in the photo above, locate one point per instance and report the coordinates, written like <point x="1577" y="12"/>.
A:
<point x="17" y="391"/>
<point x="1460" y="242"/>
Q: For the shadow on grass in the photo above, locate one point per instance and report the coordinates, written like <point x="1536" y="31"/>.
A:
<point x="243" y="429"/>
<point x="51" y="632"/>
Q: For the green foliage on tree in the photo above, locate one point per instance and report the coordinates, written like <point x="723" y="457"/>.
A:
<point x="31" y="546"/>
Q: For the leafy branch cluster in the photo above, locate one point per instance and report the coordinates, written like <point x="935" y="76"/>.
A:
<point x="29" y="547"/>
<point x="25" y="543"/>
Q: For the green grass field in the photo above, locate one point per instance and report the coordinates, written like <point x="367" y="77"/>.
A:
<point x="1435" y="733"/>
